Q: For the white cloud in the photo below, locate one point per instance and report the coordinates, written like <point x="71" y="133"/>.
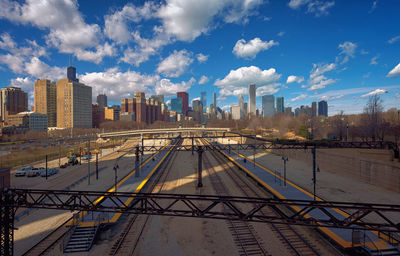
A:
<point x="347" y="49"/>
<point x="268" y="89"/>
<point x="292" y="79"/>
<point x="167" y="88"/>
<point x="68" y="31"/>
<point x="25" y="83"/>
<point x="317" y="80"/>
<point x="325" y="97"/>
<point x="252" y="48"/>
<point x="119" y="84"/>
<point x="394" y="39"/>
<point x="282" y="33"/>
<point x="145" y="47"/>
<point x="374" y="60"/>
<point x="175" y="64"/>
<point x="237" y="81"/>
<point x="203" y="80"/>
<point x="394" y="72"/>
<point x="373" y="7"/>
<point x="300" y="97"/>
<point x="201" y="57"/>
<point x="186" y="20"/>
<point x="375" y="92"/>
<point x="117" y="24"/>
<point x="318" y="7"/>
<point x="39" y="69"/>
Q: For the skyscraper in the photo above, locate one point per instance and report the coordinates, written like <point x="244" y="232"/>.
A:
<point x="45" y="96"/>
<point x="268" y="103"/>
<point x="252" y="99"/>
<point x="71" y="74"/>
<point x="322" y="108"/>
<point x="314" y="109"/>
<point x="74" y="103"/>
<point x="185" y="102"/>
<point x="203" y="99"/>
<point x="12" y="101"/>
<point x="235" y="111"/>
<point x="102" y="100"/>
<point x="241" y="106"/>
<point x="280" y="105"/>
<point x="176" y="105"/>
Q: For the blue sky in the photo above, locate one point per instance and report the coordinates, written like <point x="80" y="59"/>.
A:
<point x="303" y="50"/>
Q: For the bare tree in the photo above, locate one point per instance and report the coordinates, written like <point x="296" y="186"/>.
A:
<point x="372" y="118"/>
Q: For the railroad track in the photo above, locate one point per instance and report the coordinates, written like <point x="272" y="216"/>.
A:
<point x="294" y="241"/>
<point x="243" y="233"/>
<point x="129" y="238"/>
<point x="46" y="243"/>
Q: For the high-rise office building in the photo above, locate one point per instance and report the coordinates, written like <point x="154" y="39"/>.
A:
<point x="158" y="98"/>
<point x="176" y="105"/>
<point x="314" y="109"/>
<point x="252" y="99"/>
<point x="235" y="112"/>
<point x="102" y="100"/>
<point x="198" y="110"/>
<point x="12" y="101"/>
<point x="45" y="97"/>
<point x="323" y="108"/>
<point x="268" y="105"/>
<point x="280" y="105"/>
<point x="203" y="99"/>
<point x="241" y="105"/>
<point x="74" y="103"/>
<point x="71" y="74"/>
<point x="185" y="102"/>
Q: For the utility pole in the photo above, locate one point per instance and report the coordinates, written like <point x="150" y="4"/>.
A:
<point x="137" y="171"/>
<point x="347" y="132"/>
<point x="254" y="156"/>
<point x="80" y="155"/>
<point x="313" y="151"/>
<point x="88" y="156"/>
<point x="59" y="154"/>
<point x="285" y="159"/>
<point x="97" y="166"/>
<point x="200" y="167"/>
<point x="116" y="167"/>
<point x="46" y="167"/>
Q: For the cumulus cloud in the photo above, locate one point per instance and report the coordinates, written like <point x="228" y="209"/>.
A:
<point x="68" y="31"/>
<point x="203" y="80"/>
<point x="201" y="57"/>
<point x="292" y="79"/>
<point x="394" y="39"/>
<point x="375" y="92"/>
<point x="117" y="24"/>
<point x="250" y="49"/>
<point x="268" y="89"/>
<point x="394" y="72"/>
<point x="237" y="81"/>
<point x="347" y="49"/>
<point x="317" y="7"/>
<point x="175" y="64"/>
<point x="119" y="84"/>
<point x="186" y="20"/>
<point x="300" y="97"/>
<point x="167" y="88"/>
<point x="39" y="69"/>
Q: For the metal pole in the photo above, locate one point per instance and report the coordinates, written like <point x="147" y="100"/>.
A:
<point x="59" y="155"/>
<point x="254" y="156"/>
<point x="200" y="167"/>
<point x="137" y="171"/>
<point x="80" y="155"/>
<point x="88" y="156"/>
<point x="192" y="146"/>
<point x="347" y="132"/>
<point x="97" y="166"/>
<point x="285" y="159"/>
<point x="115" y="178"/>
<point x="46" y="167"/>
<point x="313" y="151"/>
<point x="6" y="223"/>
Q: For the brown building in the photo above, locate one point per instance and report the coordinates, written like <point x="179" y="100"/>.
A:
<point x="145" y="110"/>
<point x="45" y="93"/>
<point x="74" y="104"/>
<point x="31" y="120"/>
<point x="4" y="178"/>
<point x="97" y="115"/>
<point x="12" y="101"/>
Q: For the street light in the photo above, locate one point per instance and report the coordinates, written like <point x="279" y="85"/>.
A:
<point x="285" y="159"/>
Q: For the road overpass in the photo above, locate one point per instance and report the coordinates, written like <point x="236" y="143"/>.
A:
<point x="160" y="131"/>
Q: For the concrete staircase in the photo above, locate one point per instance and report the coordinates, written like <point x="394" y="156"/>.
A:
<point x="81" y="239"/>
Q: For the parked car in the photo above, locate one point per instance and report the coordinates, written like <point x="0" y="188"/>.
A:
<point x="64" y="165"/>
<point x="87" y="157"/>
<point x="72" y="160"/>
<point x="34" y="172"/>
<point x="23" y="171"/>
<point x="50" y="172"/>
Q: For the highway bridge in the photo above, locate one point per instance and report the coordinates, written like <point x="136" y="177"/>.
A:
<point x="161" y="131"/>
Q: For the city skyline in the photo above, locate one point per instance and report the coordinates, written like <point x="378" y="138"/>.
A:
<point x="284" y="47"/>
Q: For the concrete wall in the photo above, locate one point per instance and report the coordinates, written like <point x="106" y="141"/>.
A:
<point x="372" y="166"/>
